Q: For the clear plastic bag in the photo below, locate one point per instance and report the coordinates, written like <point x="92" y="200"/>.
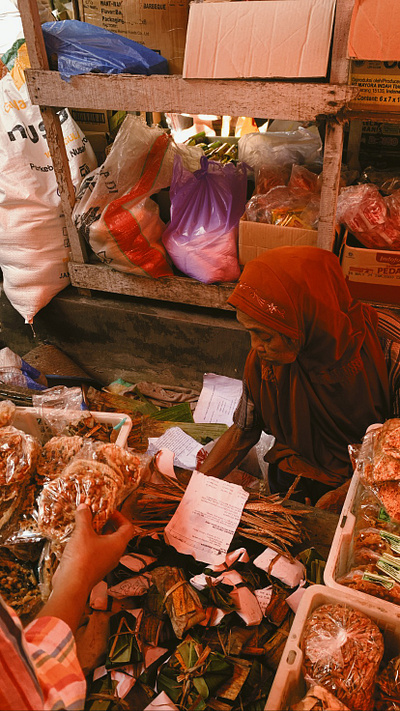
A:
<point x="389" y="687"/>
<point x="98" y="474"/>
<point x="373" y="219"/>
<point x="113" y="210"/>
<point x="378" y="463"/>
<point x="206" y="207"/>
<point x="342" y="651"/>
<point x="82" y="47"/>
<point x="366" y="579"/>
<point x="7" y="412"/>
<point x="281" y="148"/>
<point x="19" y="453"/>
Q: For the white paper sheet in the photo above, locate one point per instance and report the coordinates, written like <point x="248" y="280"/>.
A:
<point x="162" y="702"/>
<point x="206" y="519"/>
<point x="181" y="444"/>
<point x="289" y="572"/>
<point x="263" y="596"/>
<point x="218" y="399"/>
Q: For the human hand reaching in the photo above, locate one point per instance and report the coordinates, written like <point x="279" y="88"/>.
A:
<point x="90" y="555"/>
<point x="87" y="558"/>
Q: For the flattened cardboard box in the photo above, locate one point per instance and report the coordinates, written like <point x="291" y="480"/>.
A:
<point x="371" y="274"/>
<point x="379" y="85"/>
<point x="259" y="38"/>
<point x="375" y="30"/>
<point x="256" y="237"/>
<point x="159" y="25"/>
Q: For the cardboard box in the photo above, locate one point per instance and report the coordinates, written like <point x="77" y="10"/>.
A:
<point x="256" y="237"/>
<point x="371" y="274"/>
<point x="375" y="30"/>
<point x="379" y="84"/>
<point x="159" y="25"/>
<point x="90" y="120"/>
<point x="260" y="38"/>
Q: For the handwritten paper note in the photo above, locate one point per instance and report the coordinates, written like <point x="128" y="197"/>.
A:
<point x="218" y="399"/>
<point x="184" y="447"/>
<point x="206" y="519"/>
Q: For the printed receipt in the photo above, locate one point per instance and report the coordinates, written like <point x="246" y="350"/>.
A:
<point x="206" y="519"/>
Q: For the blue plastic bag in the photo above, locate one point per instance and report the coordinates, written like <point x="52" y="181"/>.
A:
<point x="206" y="207"/>
<point x="82" y="48"/>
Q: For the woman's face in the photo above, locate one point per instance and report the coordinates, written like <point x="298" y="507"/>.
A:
<point x="270" y="345"/>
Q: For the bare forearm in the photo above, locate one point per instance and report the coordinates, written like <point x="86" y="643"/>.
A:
<point x="67" y="601"/>
<point x="229" y="451"/>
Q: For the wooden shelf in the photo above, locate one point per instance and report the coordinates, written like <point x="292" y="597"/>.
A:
<point x="296" y="101"/>
<point x="182" y="290"/>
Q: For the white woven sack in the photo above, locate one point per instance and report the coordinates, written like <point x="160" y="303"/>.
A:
<point x="34" y="243"/>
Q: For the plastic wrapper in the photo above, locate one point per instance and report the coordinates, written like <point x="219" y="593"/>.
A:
<point x="16" y="371"/>
<point x="319" y="699"/>
<point x="99" y="474"/>
<point x="303" y="180"/>
<point x="387" y="180"/>
<point x="19" y="587"/>
<point x="281" y="148"/>
<point x="389" y="687"/>
<point x="373" y="219"/>
<point x="276" y="206"/>
<point x="18" y="456"/>
<point x="343" y="649"/>
<point x="81" y="48"/>
<point x="378" y="463"/>
<point x="59" y="452"/>
<point x="271" y="176"/>
<point x="366" y="578"/>
<point x="206" y="207"/>
<point x="47" y="566"/>
<point x="113" y="210"/>
<point x="7" y="412"/>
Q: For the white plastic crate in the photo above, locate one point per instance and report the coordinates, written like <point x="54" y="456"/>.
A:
<point x="27" y="420"/>
<point x="289" y="685"/>
<point x="338" y="562"/>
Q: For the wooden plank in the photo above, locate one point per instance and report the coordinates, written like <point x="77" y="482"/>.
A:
<point x="181" y="290"/>
<point x="330" y="184"/>
<point x="340" y="64"/>
<point x="56" y="143"/>
<point x="33" y="33"/>
<point x="235" y="97"/>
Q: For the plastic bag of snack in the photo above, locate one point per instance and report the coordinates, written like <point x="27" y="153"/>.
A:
<point x="342" y="651"/>
<point x="361" y="208"/>
<point x="303" y="180"/>
<point x="7" y="412"/>
<point x="206" y="207"/>
<point x="389" y="687"/>
<point x="367" y="579"/>
<point x="270" y="176"/>
<point x="378" y="463"/>
<point x="319" y="699"/>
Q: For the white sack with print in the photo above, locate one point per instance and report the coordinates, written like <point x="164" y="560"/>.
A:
<point x="34" y="243"/>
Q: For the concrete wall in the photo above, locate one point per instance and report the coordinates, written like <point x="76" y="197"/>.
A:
<point x="114" y="336"/>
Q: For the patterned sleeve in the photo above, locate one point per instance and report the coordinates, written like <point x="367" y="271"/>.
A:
<point x="51" y="647"/>
<point x="245" y="416"/>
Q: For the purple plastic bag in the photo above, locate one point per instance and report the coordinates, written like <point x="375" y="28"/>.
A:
<point x="206" y="207"/>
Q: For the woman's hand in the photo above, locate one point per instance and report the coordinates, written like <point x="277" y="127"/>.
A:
<point x="92" y="555"/>
<point x="87" y="558"/>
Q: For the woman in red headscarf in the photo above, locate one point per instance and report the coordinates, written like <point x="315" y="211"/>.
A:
<point x="315" y="377"/>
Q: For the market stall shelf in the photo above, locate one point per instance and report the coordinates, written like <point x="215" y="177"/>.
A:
<point x="304" y="101"/>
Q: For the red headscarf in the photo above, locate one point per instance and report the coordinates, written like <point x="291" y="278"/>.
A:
<point x="338" y="385"/>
